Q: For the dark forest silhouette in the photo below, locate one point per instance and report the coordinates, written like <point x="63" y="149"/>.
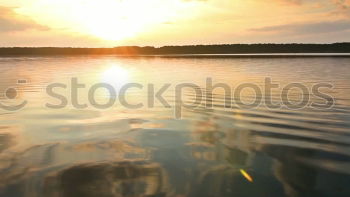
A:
<point x="190" y="49"/>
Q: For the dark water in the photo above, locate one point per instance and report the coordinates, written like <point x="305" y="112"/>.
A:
<point x="216" y="151"/>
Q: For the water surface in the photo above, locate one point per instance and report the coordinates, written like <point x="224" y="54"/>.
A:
<point x="215" y="151"/>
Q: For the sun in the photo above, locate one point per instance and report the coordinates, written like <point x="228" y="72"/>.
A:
<point x="107" y="19"/>
<point x="111" y="19"/>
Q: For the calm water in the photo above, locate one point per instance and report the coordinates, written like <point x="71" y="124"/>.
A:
<point x="216" y="151"/>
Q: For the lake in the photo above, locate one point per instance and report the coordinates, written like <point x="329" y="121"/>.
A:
<point x="151" y="126"/>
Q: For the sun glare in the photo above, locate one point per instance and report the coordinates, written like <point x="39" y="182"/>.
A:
<point x="108" y="19"/>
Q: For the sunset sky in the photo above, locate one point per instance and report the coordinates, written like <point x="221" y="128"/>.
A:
<point x="106" y="23"/>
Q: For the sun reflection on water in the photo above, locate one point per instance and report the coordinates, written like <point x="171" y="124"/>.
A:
<point x="116" y="76"/>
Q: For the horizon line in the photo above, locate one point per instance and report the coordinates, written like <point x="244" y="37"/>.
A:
<point x="186" y="45"/>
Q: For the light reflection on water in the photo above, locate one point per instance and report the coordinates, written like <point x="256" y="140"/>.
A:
<point x="146" y="152"/>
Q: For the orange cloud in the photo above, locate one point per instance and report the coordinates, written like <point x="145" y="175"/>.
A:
<point x="11" y="21"/>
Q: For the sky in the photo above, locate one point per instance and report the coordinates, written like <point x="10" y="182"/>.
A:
<point x="108" y="23"/>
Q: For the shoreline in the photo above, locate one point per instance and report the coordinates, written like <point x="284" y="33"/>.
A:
<point x="246" y="55"/>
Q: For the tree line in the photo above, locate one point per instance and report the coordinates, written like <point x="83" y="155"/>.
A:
<point x="189" y="49"/>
